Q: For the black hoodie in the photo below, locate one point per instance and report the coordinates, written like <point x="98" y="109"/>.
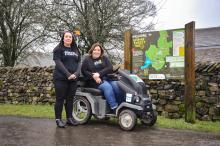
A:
<point x="101" y="65"/>
<point x="67" y="62"/>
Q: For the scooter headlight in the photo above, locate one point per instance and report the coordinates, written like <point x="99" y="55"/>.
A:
<point x="137" y="99"/>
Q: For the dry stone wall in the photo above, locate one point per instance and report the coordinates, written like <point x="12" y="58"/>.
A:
<point x="168" y="95"/>
<point x="35" y="86"/>
<point x="26" y="85"/>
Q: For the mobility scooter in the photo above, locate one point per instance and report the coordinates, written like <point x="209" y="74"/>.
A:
<point x="137" y="103"/>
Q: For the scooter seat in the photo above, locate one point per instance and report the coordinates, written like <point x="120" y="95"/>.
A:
<point x="93" y="91"/>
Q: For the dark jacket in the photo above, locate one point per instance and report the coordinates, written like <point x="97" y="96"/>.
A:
<point x="67" y="62"/>
<point x="100" y="65"/>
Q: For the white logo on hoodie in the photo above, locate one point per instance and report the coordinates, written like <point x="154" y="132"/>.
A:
<point x="67" y="53"/>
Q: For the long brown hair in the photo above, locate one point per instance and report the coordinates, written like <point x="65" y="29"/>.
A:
<point x="93" y="47"/>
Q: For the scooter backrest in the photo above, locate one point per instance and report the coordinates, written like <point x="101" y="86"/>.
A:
<point x="129" y="82"/>
<point x="81" y="82"/>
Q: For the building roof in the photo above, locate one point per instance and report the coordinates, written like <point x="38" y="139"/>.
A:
<point x="207" y="38"/>
<point x="207" y="55"/>
<point x="207" y="44"/>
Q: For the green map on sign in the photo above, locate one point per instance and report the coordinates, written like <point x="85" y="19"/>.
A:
<point x="157" y="53"/>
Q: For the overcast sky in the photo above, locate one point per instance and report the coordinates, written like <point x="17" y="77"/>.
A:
<point x="176" y="13"/>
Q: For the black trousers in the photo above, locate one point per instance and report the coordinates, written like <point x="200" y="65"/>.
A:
<point x="65" y="91"/>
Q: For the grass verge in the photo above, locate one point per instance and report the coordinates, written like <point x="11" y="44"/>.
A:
<point x="41" y="111"/>
<point x="46" y="111"/>
<point x="205" y="126"/>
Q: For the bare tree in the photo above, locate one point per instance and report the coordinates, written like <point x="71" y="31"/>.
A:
<point x="25" y="23"/>
<point x="103" y="21"/>
<point x="20" y="28"/>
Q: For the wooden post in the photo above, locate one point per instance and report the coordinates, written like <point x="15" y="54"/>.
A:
<point x="189" y="99"/>
<point x="128" y="50"/>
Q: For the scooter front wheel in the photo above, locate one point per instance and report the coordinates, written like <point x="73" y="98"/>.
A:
<point x="127" y="119"/>
<point x="81" y="110"/>
<point x="149" y="120"/>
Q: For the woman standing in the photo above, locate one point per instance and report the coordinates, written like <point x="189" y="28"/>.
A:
<point x="67" y="68"/>
<point x="95" y="68"/>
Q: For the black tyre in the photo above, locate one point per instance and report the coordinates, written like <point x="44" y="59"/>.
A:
<point x="149" y="120"/>
<point x="104" y="119"/>
<point x="127" y="119"/>
<point x="81" y="110"/>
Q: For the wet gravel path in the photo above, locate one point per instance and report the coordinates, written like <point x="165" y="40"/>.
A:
<point x="43" y="132"/>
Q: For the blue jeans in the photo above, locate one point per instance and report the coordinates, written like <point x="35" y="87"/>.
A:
<point x="119" y="94"/>
<point x="111" y="92"/>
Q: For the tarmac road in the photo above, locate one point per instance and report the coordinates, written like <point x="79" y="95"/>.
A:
<point x="20" y="131"/>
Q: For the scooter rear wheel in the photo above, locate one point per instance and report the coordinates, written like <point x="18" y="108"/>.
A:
<point x="81" y="110"/>
<point x="127" y="119"/>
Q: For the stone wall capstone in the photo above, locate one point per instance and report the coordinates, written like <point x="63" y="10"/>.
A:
<point x="35" y="86"/>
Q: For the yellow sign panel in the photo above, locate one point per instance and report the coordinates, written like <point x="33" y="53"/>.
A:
<point x="182" y="51"/>
<point x="139" y="42"/>
<point x="77" y="32"/>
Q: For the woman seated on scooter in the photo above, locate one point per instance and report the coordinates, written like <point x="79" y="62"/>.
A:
<point x="95" y="67"/>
